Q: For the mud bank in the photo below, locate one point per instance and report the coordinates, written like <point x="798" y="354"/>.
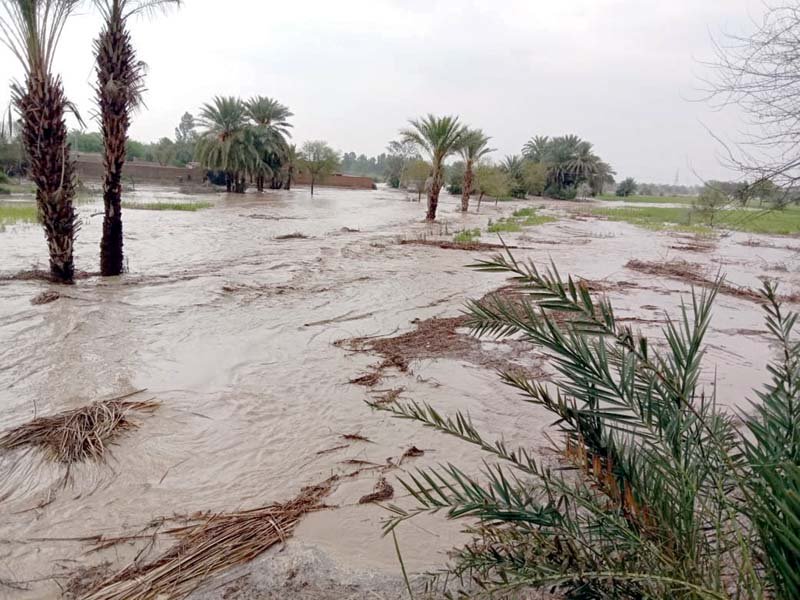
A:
<point x="229" y="320"/>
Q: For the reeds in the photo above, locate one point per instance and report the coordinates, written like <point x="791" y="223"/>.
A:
<point x="80" y="434"/>
<point x="203" y="549"/>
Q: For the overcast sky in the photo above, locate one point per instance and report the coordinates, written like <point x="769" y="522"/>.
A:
<point x="620" y="73"/>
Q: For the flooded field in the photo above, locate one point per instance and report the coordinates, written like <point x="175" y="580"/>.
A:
<point x="230" y="321"/>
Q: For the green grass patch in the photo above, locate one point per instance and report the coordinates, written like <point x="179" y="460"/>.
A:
<point x="17" y="212"/>
<point x="648" y="199"/>
<point x="184" y="206"/>
<point x="524" y="217"/>
<point x="776" y="222"/>
<point x="467" y="236"/>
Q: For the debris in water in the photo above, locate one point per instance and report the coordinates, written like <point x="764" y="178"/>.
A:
<point x="356" y="437"/>
<point x="383" y="491"/>
<point x="334" y="449"/>
<point x="79" y="434"/>
<point x="217" y="542"/>
<point x="292" y="236"/>
<point x="349" y="230"/>
<point x="45" y="297"/>
<point x="412" y="452"/>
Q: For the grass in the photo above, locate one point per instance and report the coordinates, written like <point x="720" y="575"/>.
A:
<point x="776" y="222"/>
<point x="17" y="212"/>
<point x="648" y="199"/>
<point x="467" y="236"/>
<point x="184" y="206"/>
<point x="524" y="217"/>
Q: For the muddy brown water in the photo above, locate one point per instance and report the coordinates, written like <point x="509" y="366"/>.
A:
<point x="232" y="330"/>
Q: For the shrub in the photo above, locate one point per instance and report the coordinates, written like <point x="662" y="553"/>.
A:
<point x="561" y="193"/>
<point x="627" y="187"/>
<point x="668" y="496"/>
<point x="467" y="236"/>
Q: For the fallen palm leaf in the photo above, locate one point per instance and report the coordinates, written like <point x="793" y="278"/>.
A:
<point x="80" y="434"/>
<point x="218" y="542"/>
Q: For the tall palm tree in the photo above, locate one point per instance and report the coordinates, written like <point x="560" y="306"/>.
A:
<point x="120" y="83"/>
<point x="535" y="149"/>
<point x="438" y="137"/>
<point x="271" y="121"/>
<point x="474" y="146"/>
<point x="227" y="144"/>
<point x="291" y="159"/>
<point x="31" y="29"/>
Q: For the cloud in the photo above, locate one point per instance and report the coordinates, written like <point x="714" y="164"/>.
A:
<point x="617" y="72"/>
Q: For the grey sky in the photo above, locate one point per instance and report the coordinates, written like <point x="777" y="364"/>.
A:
<point x="616" y="72"/>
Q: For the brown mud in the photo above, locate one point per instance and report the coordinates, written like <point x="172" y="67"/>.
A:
<point x="234" y="332"/>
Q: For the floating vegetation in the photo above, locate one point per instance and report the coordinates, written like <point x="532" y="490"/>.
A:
<point x="80" y="434"/>
<point x="216" y="542"/>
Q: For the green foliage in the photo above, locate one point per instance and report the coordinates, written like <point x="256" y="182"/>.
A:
<point x="319" y="159"/>
<point x="165" y="151"/>
<point x="534" y="176"/>
<point x="524" y="217"/>
<point x="455" y="177"/>
<point x="3" y="177"/>
<point x="667" y="497"/>
<point x="18" y="212"/>
<point x="627" y="187"/>
<point x="644" y="199"/>
<point x="569" y="161"/>
<point x="710" y="201"/>
<point x="80" y="141"/>
<point x="466" y="236"/>
<point x="492" y="181"/>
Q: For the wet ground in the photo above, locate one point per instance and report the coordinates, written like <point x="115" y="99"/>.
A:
<point x="232" y="329"/>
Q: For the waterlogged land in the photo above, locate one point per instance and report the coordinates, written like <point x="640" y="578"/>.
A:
<point x="260" y="324"/>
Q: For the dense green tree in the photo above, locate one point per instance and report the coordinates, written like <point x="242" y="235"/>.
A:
<point x="534" y="176"/>
<point x="185" y="139"/>
<point x="80" y="141"/>
<point x="271" y="124"/>
<point x="438" y="138"/>
<point x="401" y="153"/>
<point x="473" y="147"/>
<point x="419" y="176"/>
<point x="226" y="144"/>
<point x="31" y="30"/>
<point x="165" y="151"/>
<point x="514" y="167"/>
<point x="491" y="181"/>
<point x="319" y="160"/>
<point x="626" y="187"/>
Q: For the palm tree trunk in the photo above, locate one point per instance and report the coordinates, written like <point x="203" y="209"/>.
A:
<point x="116" y="70"/>
<point x="467" y="189"/>
<point x="44" y="133"/>
<point x="228" y="181"/>
<point x="479" y="202"/>
<point x="433" y="197"/>
<point x="288" y="183"/>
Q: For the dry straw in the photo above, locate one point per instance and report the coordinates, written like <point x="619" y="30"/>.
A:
<point x="203" y="549"/>
<point x="80" y="434"/>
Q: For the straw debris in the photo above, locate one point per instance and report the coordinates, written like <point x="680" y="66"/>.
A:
<point x="80" y="434"/>
<point x="203" y="549"/>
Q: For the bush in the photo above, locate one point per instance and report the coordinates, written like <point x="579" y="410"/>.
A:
<point x="669" y="496"/>
<point x="467" y="236"/>
<point x="561" y="193"/>
<point x="627" y="187"/>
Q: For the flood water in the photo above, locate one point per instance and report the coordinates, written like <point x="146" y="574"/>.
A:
<point x="232" y="331"/>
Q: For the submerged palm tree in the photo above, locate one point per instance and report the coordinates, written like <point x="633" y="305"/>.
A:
<point x="226" y="144"/>
<point x="474" y="146"/>
<point x="120" y="83"/>
<point x="291" y="158"/>
<point x="438" y="137"/>
<point x="31" y="29"/>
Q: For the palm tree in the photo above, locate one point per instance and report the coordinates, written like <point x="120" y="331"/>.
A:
<point x="31" y="29"/>
<point x="474" y="146"/>
<point x="291" y="158"/>
<point x="514" y="167"/>
<point x="120" y="83"/>
<point x="227" y="145"/>
<point x="438" y="137"/>
<point x="271" y="120"/>
<point x="535" y="149"/>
